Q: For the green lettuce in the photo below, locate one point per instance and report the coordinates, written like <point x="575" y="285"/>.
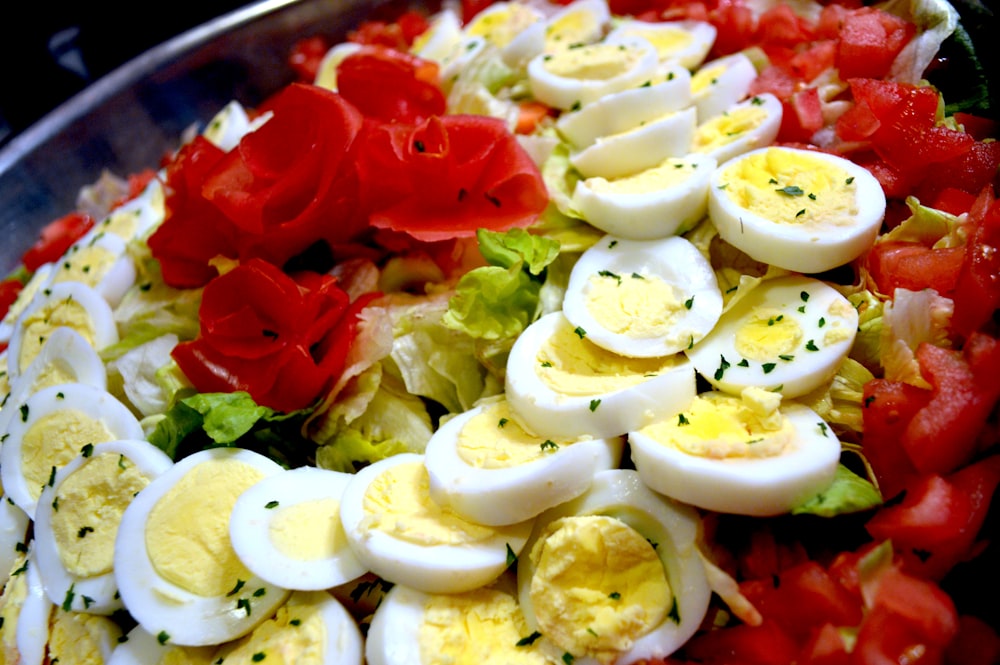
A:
<point x="928" y="226"/>
<point x="840" y="402"/>
<point x="849" y="493"/>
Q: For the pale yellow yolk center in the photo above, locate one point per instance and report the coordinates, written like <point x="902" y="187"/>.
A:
<point x="40" y="324"/>
<point x="724" y="129"/>
<point x="398" y="502"/>
<point x="706" y="77"/>
<point x="187" y="533"/>
<point x="792" y="188"/>
<point x="76" y="638"/>
<point x="635" y="305"/>
<point x="481" y="627"/>
<point x="499" y="28"/>
<point x="295" y="634"/>
<point x="11" y="601"/>
<point x="597" y="62"/>
<point x="87" y="265"/>
<point x="91" y="502"/>
<point x="572" y="28"/>
<point x="53" y="374"/>
<point x="55" y="439"/>
<point x="723" y="426"/>
<point x="668" y="41"/>
<point x="598" y="586"/>
<point x="308" y="531"/>
<point x="668" y="174"/>
<point x="766" y="334"/>
<point x="125" y="223"/>
<point x="494" y="440"/>
<point x="573" y="365"/>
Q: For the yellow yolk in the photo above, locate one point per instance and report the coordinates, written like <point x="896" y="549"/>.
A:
<point x="481" y="627"/>
<point x="53" y="374"/>
<point x="726" y="128"/>
<point x="669" y="173"/>
<point x="25" y="295"/>
<point x="308" y="531"/>
<point x="53" y="441"/>
<point x="570" y="364"/>
<point x="722" y="426"/>
<point x="792" y="188"/>
<point x="11" y="601"/>
<point x="767" y="334"/>
<point x="75" y="638"/>
<point x="598" y="586"/>
<point x="187" y="533"/>
<point x="398" y="502"/>
<point x="597" y="62"/>
<point x="634" y="305"/>
<point x="494" y="440"/>
<point x="91" y="502"/>
<point x="667" y="40"/>
<point x="295" y="634"/>
<point x="176" y="655"/>
<point x="87" y="264"/>
<point x="4" y="379"/>
<point x="572" y="28"/>
<point x="62" y="313"/>
<point x="500" y="27"/>
<point x="705" y="77"/>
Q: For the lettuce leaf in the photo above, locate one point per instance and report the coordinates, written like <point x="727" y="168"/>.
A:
<point x="849" y="493"/>
<point x="928" y="226"/>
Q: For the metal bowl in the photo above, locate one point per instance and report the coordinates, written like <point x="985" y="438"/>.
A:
<point x="129" y="119"/>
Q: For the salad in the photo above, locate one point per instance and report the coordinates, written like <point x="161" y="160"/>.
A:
<point x="610" y="331"/>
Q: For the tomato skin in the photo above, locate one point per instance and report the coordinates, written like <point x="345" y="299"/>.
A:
<point x="976" y="643"/>
<point x="977" y="294"/>
<point x="9" y="288"/>
<point x="55" y="238"/>
<point x="765" y="644"/>
<point x="909" y="265"/>
<point x="870" y="40"/>
<point x="306" y="56"/>
<point x="389" y="85"/>
<point x="888" y="407"/>
<point x="802" y="116"/>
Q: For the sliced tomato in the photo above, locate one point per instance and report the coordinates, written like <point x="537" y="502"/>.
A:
<point x="977" y="643"/>
<point x="809" y="63"/>
<point x="55" y="238"/>
<point x="735" y="27"/>
<point x="870" y="39"/>
<point x="802" y="116"/>
<point x="977" y="295"/>
<point x="766" y="644"/>
<point x="980" y="127"/>
<point x="780" y="26"/>
<point x="399" y="34"/>
<point x="913" y="266"/>
<point x="391" y="85"/>
<point x="888" y="407"/>
<point x="953" y="200"/>
<point x="827" y="646"/>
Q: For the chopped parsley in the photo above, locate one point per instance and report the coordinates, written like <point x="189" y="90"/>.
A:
<point x="529" y="640"/>
<point x="259" y="656"/>
<point x="682" y="420"/>
<point x="743" y="363"/>
<point x="243" y="604"/>
<point x="271" y="504"/>
<point x="549" y="444"/>
<point x="511" y="556"/>
<point x="163" y="637"/>
<point x="723" y="366"/>
<point x="87" y="450"/>
<point x="791" y="190"/>
<point x="67" y="603"/>
<point x="804" y="295"/>
<point x="849" y="180"/>
<point x="689" y="303"/>
<point x="236" y="589"/>
<point x="84" y="530"/>
<point x="811" y="346"/>
<point x="675" y="612"/>
<point x="502" y="422"/>
<point x="594" y="403"/>
<point x="580" y="332"/>
<point x="614" y="595"/>
<point x="787" y="357"/>
<point x="608" y="273"/>
<point x="768" y="367"/>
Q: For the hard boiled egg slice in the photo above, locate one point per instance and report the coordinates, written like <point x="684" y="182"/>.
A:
<point x="442" y="36"/>
<point x="174" y="564"/>
<point x="643" y="298"/>
<point x="684" y="42"/>
<point x="101" y="263"/>
<point x="78" y="637"/>
<point x="24" y="297"/>
<point x="133" y="219"/>
<point x="574" y="77"/>
<point x="515" y="28"/>
<point x="618" y="112"/>
<point x="643" y="147"/>
<point x="801" y="210"/>
<point x="614" y="575"/>
<point x="69" y="304"/>
<point x="750" y="124"/>
<point x="77" y="518"/>
<point x="50" y="429"/>
<point x="788" y="335"/>
<point x="402" y="535"/>
<point x="286" y="530"/>
<point x="411" y="627"/>
<point x="579" y="22"/>
<point x="559" y="384"/>
<point x="139" y="647"/>
<point x="25" y="610"/>
<point x="720" y="84"/>
<point x="748" y="455"/>
<point x="228" y="127"/>
<point x="13" y="536"/>
<point x="486" y="468"/>
<point x="668" y="198"/>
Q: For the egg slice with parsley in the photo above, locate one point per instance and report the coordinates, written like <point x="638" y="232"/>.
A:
<point x="13" y="536"/>
<point x="747" y="454"/>
<point x="402" y="535"/>
<point x="50" y="429"/>
<point x="613" y="575"/>
<point x="683" y="42"/>
<point x="101" y="263"/>
<point x="25" y="612"/>
<point x="134" y="218"/>
<point x="579" y="22"/>
<point x="286" y="529"/>
<point x="486" y="468"/>
<point x="643" y="298"/>
<point x="77" y="518"/>
<point x="559" y="384"/>
<point x="789" y="335"/>
<point x="750" y="124"/>
<point x="801" y="210"/>
<point x="174" y="563"/>
<point x="720" y="84"/>
<point x="515" y="28"/>
<point x="24" y="297"/>
<point x="668" y="198"/>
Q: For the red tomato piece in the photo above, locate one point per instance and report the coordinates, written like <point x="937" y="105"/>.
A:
<point x="765" y="644"/>
<point x="953" y="200"/>
<point x="776" y="81"/>
<point x="781" y="26"/>
<point x="909" y="265"/>
<point x="977" y="643"/>
<point x="735" y="27"/>
<point x="809" y="63"/>
<point x="55" y="238"/>
<point x="888" y="407"/>
<point x="802" y="116"/>
<point x="306" y="56"/>
<point x="9" y="288"/>
<point x="825" y="647"/>
<point x="981" y="128"/>
<point x="977" y="295"/>
<point x="390" y="85"/>
<point x="870" y="39"/>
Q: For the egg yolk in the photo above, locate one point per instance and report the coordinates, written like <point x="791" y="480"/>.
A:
<point x="726" y="128"/>
<point x="598" y="62"/>
<point x="634" y="305"/>
<point x="55" y="439"/>
<point x="398" y="502"/>
<point x="767" y="333"/>
<point x="572" y="28"/>
<point x="25" y="295"/>
<point x="670" y="173"/>
<point x="568" y="363"/>
<point x="705" y="77"/>
<point x="667" y="40"/>
<point x="53" y="314"/>
<point x="11" y="601"/>
<point x="494" y="440"/>
<point x="76" y="638"/>
<point x="501" y="26"/>
<point x="91" y="502"/>
<point x="481" y="627"/>
<point x="723" y="426"/>
<point x="598" y="585"/>
<point x="308" y="531"/>
<point x="792" y="188"/>
<point x="87" y="264"/>
<point x="295" y="634"/>
<point x="178" y="655"/>
<point x="187" y="532"/>
<point x="53" y="374"/>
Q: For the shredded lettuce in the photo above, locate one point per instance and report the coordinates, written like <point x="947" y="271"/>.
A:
<point x="142" y="383"/>
<point x="911" y="318"/>
<point x="936" y="20"/>
<point x="839" y="402"/>
<point x="928" y="226"/>
<point x="867" y="348"/>
<point x="477" y="88"/>
<point x="849" y="493"/>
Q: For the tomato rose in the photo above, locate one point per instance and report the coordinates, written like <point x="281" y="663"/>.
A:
<point x="390" y="85"/>
<point x="283" y="341"/>
<point x="449" y="176"/>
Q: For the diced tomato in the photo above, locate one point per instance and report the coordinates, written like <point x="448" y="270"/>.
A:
<point x="472" y="7"/>
<point x="981" y="128"/>
<point x="952" y="200"/>
<point x="781" y="26"/>
<point x="56" y="237"/>
<point x="735" y="27"/>
<point x="530" y="114"/>
<point x="977" y="294"/>
<point x="831" y="21"/>
<point x="802" y="116"/>
<point x="306" y="56"/>
<point x="976" y="643"/>
<point x="826" y="647"/>
<point x="870" y="39"/>
<point x="888" y="407"/>
<point x="776" y="81"/>
<point x="813" y="61"/>
<point x="913" y="266"/>
<point x="9" y="288"/>
<point x="968" y="171"/>
<point x="765" y="644"/>
<point x="398" y="34"/>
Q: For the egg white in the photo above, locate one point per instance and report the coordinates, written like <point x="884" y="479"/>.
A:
<point x="139" y="647"/>
<point x="442" y="36"/>
<point x="721" y="83"/>
<point x="24" y="297"/>
<point x="110" y="278"/>
<point x="554" y="414"/>
<point x="32" y="632"/>
<point x="134" y="218"/>
<point x="672" y="527"/>
<point x="824" y="321"/>
<point x="229" y="126"/>
<point x="579" y="22"/>
<point x="683" y="42"/>
<point x="515" y="28"/>
<point x="510" y="494"/>
<point x="13" y="536"/>
<point x="745" y="126"/>
<point x="97" y="594"/>
<point x="435" y="567"/>
<point x="251" y="522"/>
<point x="817" y="237"/>
<point x="326" y="73"/>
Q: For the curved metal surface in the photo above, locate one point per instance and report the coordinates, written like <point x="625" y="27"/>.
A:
<point x="129" y="119"/>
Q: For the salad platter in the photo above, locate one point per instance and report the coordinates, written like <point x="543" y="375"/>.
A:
<point x="598" y="331"/>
